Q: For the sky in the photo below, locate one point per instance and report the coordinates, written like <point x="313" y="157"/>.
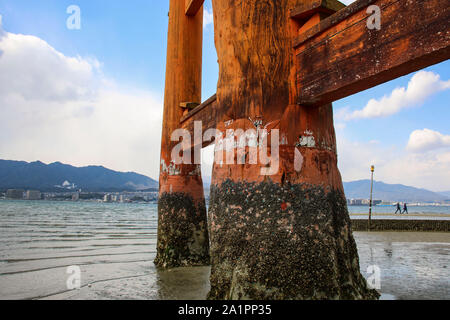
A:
<point x="94" y="96"/>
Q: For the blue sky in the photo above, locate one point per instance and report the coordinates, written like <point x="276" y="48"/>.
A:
<point x="128" y="37"/>
<point x="120" y="50"/>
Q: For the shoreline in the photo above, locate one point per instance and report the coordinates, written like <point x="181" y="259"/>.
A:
<point x="401" y="217"/>
<point x="432" y="225"/>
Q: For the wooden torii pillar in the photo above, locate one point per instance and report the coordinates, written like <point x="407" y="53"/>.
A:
<point x="288" y="235"/>
<point x="182" y="223"/>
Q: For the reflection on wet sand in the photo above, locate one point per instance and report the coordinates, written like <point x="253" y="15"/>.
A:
<point x="114" y="246"/>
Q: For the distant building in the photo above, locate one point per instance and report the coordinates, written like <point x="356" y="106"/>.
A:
<point x="363" y="202"/>
<point x="107" y="198"/>
<point x="14" y="194"/>
<point x="356" y="202"/>
<point x="33" y="195"/>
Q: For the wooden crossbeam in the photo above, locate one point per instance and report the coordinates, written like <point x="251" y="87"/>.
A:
<point x="341" y="56"/>
<point x="192" y="6"/>
<point x="207" y="113"/>
<point x="308" y="8"/>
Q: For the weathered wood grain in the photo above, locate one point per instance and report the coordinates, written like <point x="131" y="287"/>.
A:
<point x="341" y="56"/>
<point x="309" y="7"/>
<point x="192" y="6"/>
<point x="182" y="222"/>
<point x="207" y="113"/>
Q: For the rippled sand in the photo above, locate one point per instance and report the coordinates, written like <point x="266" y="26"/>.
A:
<point x="114" y="245"/>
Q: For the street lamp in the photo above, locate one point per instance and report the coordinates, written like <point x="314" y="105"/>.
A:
<point x="372" y="169"/>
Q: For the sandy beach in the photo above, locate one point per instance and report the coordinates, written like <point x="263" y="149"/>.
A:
<point x="114" y="246"/>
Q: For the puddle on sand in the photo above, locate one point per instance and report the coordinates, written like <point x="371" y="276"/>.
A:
<point x="413" y="266"/>
<point x="33" y="257"/>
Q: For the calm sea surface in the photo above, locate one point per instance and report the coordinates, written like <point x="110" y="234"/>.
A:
<point x="427" y="210"/>
<point x="114" y="246"/>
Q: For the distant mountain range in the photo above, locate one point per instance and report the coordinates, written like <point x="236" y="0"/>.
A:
<point x="381" y="191"/>
<point x="445" y="193"/>
<point x="391" y="192"/>
<point x="61" y="177"/>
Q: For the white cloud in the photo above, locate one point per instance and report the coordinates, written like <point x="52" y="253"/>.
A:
<point x="421" y="86"/>
<point x="32" y="69"/>
<point x="208" y="17"/>
<point x="426" y="139"/>
<point x="59" y="108"/>
<point x="429" y="170"/>
<point x="347" y="2"/>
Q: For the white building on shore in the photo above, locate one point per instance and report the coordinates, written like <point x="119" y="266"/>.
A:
<point x="33" y="195"/>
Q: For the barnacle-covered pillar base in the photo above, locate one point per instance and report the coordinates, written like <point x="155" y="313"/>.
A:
<point x="279" y="230"/>
<point x="182" y="222"/>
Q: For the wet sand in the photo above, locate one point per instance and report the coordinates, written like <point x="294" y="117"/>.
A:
<point x="114" y="245"/>
<point x="413" y="266"/>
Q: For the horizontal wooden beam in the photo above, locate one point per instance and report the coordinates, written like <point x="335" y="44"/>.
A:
<point x="192" y="6"/>
<point x="333" y="20"/>
<point x="207" y="113"/>
<point x="341" y="56"/>
<point x="307" y="9"/>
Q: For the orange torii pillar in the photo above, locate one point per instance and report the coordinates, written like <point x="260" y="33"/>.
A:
<point x="182" y="222"/>
<point x="279" y="230"/>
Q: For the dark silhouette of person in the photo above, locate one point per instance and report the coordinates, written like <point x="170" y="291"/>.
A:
<point x="405" y="208"/>
<point x="399" y="209"/>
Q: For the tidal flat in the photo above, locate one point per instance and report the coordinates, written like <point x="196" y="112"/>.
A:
<point x="114" y="246"/>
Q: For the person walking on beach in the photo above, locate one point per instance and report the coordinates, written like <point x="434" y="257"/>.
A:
<point x="399" y="209"/>
<point x="405" y="208"/>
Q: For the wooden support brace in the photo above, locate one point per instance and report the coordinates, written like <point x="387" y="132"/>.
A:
<point x="342" y="56"/>
<point x="207" y="113"/>
<point x="189" y="105"/>
<point x="309" y="8"/>
<point x="192" y="6"/>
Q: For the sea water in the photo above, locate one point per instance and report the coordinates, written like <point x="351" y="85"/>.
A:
<point x="114" y="246"/>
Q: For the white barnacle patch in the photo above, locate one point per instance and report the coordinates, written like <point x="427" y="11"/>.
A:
<point x="228" y="123"/>
<point x="257" y="123"/>
<point x="171" y="169"/>
<point x="307" y="140"/>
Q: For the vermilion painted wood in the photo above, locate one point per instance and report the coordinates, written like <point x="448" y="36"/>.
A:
<point x="192" y="6"/>
<point x="340" y="56"/>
